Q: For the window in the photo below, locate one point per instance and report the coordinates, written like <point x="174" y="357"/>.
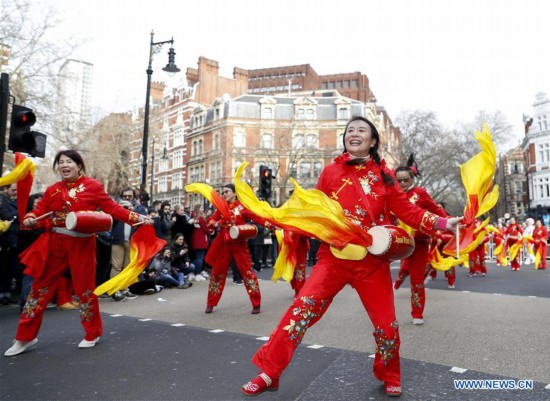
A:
<point x="317" y="167"/>
<point x="301" y="114"/>
<point x="343" y="114"/>
<point x="267" y="141"/>
<point x="340" y="144"/>
<point x="177" y="181"/>
<point x="310" y="114"/>
<point x="267" y="112"/>
<point x="178" y="158"/>
<point x="312" y="141"/>
<point x="195" y="149"/>
<point x="178" y="137"/>
<point x="201" y="147"/>
<point x="543" y="125"/>
<point x="163" y="184"/>
<point x="292" y="170"/>
<point x="305" y="170"/>
<point x="298" y="141"/>
<point x="216" y="142"/>
<point x="238" y="139"/>
<point x="544" y="153"/>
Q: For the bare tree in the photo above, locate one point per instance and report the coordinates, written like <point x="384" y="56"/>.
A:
<point x="34" y="59"/>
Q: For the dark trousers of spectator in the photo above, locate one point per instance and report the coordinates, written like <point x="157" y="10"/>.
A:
<point x="236" y="275"/>
<point x="103" y="262"/>
<point x="10" y="269"/>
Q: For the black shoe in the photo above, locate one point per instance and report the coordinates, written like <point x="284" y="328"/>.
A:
<point x="238" y="282"/>
<point x="118" y="296"/>
<point x="130" y="295"/>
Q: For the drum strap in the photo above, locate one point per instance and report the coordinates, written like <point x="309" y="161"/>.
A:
<point x="70" y="233"/>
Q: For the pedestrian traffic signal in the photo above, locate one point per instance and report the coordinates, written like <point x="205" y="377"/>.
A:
<point x="22" y="139"/>
<point x="265" y="182"/>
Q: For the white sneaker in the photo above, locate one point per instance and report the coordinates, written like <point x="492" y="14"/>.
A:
<point x="205" y="274"/>
<point x="451" y="286"/>
<point x="19" y="347"/>
<point x="88" y="344"/>
<point x="191" y="277"/>
<point x="199" y="277"/>
<point x="158" y="288"/>
<point x="418" y="322"/>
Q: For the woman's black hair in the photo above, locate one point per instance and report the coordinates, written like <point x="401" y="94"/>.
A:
<point x="230" y="186"/>
<point x="411" y="167"/>
<point x="373" y="151"/>
<point x="32" y="198"/>
<point x="71" y="154"/>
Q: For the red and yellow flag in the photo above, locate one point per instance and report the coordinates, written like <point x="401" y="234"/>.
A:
<point x="308" y="212"/>
<point x="23" y="175"/>
<point x="213" y="197"/>
<point x="144" y="245"/>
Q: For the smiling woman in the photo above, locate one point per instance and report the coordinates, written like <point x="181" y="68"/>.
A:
<point x="59" y="250"/>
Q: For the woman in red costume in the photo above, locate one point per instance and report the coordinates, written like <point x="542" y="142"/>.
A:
<point x="223" y="249"/>
<point x="415" y="265"/>
<point x="514" y="234"/>
<point x="498" y="239"/>
<point x="63" y="249"/>
<point x="540" y="235"/>
<point x="476" y="258"/>
<point x="366" y="190"/>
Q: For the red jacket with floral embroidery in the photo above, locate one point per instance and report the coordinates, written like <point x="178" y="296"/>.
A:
<point x="83" y="194"/>
<point x="420" y="197"/>
<point x="366" y="200"/>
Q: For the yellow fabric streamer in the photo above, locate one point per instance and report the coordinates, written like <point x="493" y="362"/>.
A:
<point x="18" y="173"/>
<point x="439" y="262"/>
<point x="4" y="225"/>
<point x="514" y="249"/>
<point x="286" y="260"/>
<point x="308" y="212"/>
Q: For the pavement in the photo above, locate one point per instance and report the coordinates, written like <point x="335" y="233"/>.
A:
<point x="164" y="347"/>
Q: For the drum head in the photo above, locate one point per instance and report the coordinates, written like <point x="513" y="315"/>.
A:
<point x="381" y="240"/>
<point x="234" y="232"/>
<point x="70" y="221"/>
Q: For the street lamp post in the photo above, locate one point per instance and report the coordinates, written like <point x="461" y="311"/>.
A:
<point x="171" y="67"/>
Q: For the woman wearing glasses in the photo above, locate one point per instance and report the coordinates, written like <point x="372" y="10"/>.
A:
<point x="415" y="265"/>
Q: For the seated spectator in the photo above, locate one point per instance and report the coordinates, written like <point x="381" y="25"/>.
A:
<point x="181" y="261"/>
<point x="164" y="274"/>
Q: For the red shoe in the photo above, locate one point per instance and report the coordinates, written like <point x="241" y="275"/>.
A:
<point x="255" y="310"/>
<point x="392" y="390"/>
<point x="397" y="284"/>
<point x="208" y="309"/>
<point x="259" y="384"/>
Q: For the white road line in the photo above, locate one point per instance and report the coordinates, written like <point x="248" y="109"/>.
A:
<point x="262" y="338"/>
<point x="547" y="387"/>
<point x="177" y="324"/>
<point x="532" y="296"/>
<point x="458" y="370"/>
<point x="216" y="331"/>
<point x="116" y="315"/>
<point x="315" y="346"/>
<point x="145" y="320"/>
<point x="372" y="355"/>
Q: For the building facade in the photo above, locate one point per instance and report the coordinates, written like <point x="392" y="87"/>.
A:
<point x="536" y="146"/>
<point x="512" y="180"/>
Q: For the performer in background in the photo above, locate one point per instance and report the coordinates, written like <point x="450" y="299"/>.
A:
<point x="360" y="181"/>
<point x="477" y="257"/>
<point x="514" y="242"/>
<point x="59" y="249"/>
<point x="223" y="249"/>
<point x="540" y="235"/>
<point x="415" y="265"/>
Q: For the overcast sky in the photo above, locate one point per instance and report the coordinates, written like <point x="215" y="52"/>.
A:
<point x="452" y="57"/>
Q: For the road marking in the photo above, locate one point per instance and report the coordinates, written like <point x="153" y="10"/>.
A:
<point x="531" y="296"/>
<point x="457" y="370"/>
<point x="262" y="338"/>
<point x="547" y="387"/>
<point x="177" y="324"/>
<point x="216" y="331"/>
<point x="497" y="293"/>
<point x="465" y="291"/>
<point x="372" y="355"/>
<point x="116" y="315"/>
<point x="315" y="346"/>
<point x="145" y="320"/>
<point x="161" y="299"/>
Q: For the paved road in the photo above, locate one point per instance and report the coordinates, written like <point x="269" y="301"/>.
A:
<point x="163" y="347"/>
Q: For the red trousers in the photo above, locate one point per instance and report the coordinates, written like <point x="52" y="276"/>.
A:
<point x="78" y="255"/>
<point x="543" y="249"/>
<point x="415" y="267"/>
<point x="299" y="277"/>
<point x="477" y="260"/>
<point x="222" y="253"/>
<point x="372" y="280"/>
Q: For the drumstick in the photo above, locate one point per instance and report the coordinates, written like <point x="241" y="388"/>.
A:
<point x="137" y="224"/>
<point x="457" y="241"/>
<point x="43" y="216"/>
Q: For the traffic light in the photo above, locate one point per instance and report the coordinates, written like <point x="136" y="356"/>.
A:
<point x="22" y="139"/>
<point x="265" y="182"/>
